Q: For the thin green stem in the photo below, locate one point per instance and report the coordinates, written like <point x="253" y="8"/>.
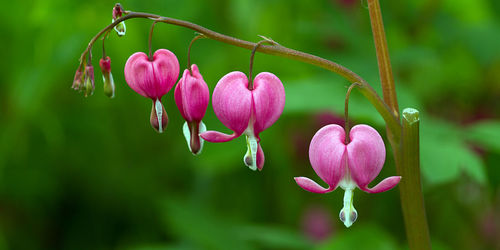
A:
<point x="250" y="80"/>
<point x="189" y="52"/>
<point x="150" y="40"/>
<point x="103" y="47"/>
<point x="347" y="128"/>
<point x="410" y="187"/>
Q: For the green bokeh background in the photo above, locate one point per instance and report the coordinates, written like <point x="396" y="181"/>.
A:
<point x="90" y="173"/>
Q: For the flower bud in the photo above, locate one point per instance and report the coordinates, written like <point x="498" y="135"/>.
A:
<point x="88" y="85"/>
<point x="192" y="96"/>
<point x="118" y="12"/>
<point x="78" y="80"/>
<point x="107" y="77"/>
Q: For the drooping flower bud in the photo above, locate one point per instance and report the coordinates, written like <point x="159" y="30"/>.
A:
<point x="78" y="80"/>
<point x="192" y="96"/>
<point x="247" y="111"/>
<point x="88" y="85"/>
<point x="107" y="77"/>
<point x="349" y="166"/>
<point x="153" y="79"/>
<point x="118" y="12"/>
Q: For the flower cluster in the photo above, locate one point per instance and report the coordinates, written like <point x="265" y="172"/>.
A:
<point x="247" y="107"/>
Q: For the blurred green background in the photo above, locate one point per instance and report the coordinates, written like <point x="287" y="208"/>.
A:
<point x="90" y="173"/>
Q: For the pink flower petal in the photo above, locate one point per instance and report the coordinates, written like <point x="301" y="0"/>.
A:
<point x="232" y="101"/>
<point x="269" y="100"/>
<point x="260" y="158"/>
<point x="384" y="185"/>
<point x="311" y="186"/>
<point x="139" y="74"/>
<point x="365" y="154"/>
<point x="214" y="136"/>
<point x="166" y="69"/>
<point x="192" y="95"/>
<point x="152" y="79"/>
<point x="327" y="154"/>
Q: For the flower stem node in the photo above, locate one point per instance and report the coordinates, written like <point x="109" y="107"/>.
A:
<point x="348" y="165"/>
<point x="247" y="111"/>
<point x="107" y="77"/>
<point x="153" y="79"/>
<point x="191" y="96"/>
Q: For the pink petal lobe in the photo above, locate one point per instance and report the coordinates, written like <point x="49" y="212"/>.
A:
<point x="311" y="186"/>
<point x="327" y="154"/>
<point x="214" y="136"/>
<point x="178" y="96"/>
<point x="155" y="78"/>
<point x="139" y="74"/>
<point x="269" y="100"/>
<point x="384" y="185"/>
<point x="166" y="69"/>
<point x="365" y="154"/>
<point x="260" y="158"/>
<point x="232" y="101"/>
<point x="192" y="95"/>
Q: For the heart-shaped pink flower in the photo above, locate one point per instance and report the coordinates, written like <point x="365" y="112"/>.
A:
<point x="153" y="79"/>
<point x="247" y="111"/>
<point x="192" y="96"/>
<point x="348" y="166"/>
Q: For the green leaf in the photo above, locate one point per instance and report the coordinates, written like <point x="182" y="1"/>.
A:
<point x="486" y="134"/>
<point x="444" y="154"/>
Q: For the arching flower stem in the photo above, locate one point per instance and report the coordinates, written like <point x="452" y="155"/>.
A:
<point x="392" y="122"/>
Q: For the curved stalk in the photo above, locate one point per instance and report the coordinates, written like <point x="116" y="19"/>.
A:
<point x="392" y="122"/>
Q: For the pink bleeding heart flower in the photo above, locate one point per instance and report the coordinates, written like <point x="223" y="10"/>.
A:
<point x="153" y="79"/>
<point x="192" y="96"/>
<point x="348" y="166"/>
<point x="247" y="111"/>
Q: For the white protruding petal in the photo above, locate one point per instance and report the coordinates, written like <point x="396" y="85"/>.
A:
<point x="159" y="114"/>
<point x="202" y="129"/>
<point x="252" y="147"/>
<point x="187" y="134"/>
<point x="253" y="150"/>
<point x="348" y="214"/>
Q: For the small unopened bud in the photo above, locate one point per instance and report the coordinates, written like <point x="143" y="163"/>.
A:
<point x="159" y="118"/>
<point x="118" y="12"/>
<point x="78" y="80"/>
<point x="88" y="85"/>
<point x="121" y="29"/>
<point x="107" y="77"/>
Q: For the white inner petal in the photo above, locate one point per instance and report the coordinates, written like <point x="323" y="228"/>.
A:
<point x="159" y="113"/>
